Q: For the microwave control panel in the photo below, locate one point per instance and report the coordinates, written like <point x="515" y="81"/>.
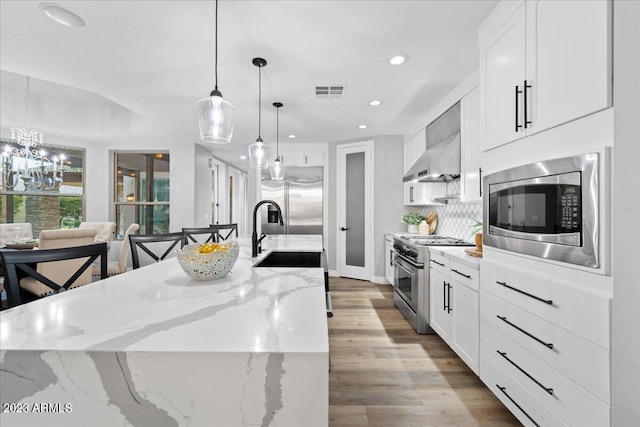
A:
<point x="570" y="208"/>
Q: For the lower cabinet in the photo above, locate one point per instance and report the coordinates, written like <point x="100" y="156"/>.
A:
<point x="388" y="258"/>
<point x="544" y="347"/>
<point x="454" y="306"/>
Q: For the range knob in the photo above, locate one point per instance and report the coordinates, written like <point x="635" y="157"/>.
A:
<point x="413" y="253"/>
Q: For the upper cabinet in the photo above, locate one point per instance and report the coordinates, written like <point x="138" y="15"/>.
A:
<point x="471" y="168"/>
<point x="542" y="63"/>
<point x="303" y="154"/>
<point x="414" y="148"/>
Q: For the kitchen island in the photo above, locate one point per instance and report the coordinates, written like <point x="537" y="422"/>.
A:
<point x="152" y="347"/>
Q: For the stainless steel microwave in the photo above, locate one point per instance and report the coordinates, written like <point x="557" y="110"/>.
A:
<point x="547" y="209"/>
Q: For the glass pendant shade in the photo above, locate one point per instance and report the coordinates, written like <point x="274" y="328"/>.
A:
<point x="259" y="154"/>
<point x="277" y="170"/>
<point x="215" y="118"/>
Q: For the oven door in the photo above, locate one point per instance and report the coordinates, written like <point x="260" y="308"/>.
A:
<point x="405" y="281"/>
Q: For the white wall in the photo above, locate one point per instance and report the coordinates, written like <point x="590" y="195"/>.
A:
<point x="626" y="215"/>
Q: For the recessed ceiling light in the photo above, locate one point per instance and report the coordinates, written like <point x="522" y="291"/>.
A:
<point x="362" y="126"/>
<point x="243" y="157"/>
<point x="292" y="136"/>
<point x="62" y="15"/>
<point x="375" y="102"/>
<point x="398" y="59"/>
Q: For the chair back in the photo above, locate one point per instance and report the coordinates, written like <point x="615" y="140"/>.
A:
<point x="225" y="230"/>
<point x="60" y="271"/>
<point x="23" y="262"/>
<point x="146" y="242"/>
<point x="210" y="234"/>
<point x="106" y="230"/>
<point x="7" y="231"/>
<point x="124" y="249"/>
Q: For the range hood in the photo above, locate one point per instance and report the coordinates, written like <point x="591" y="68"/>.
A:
<point x="441" y="161"/>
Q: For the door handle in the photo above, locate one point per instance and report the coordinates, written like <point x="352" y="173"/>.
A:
<point x="411" y="194"/>
<point x="518" y="92"/>
<point x="344" y="228"/>
<point x="526" y="122"/>
<point x="480" y="180"/>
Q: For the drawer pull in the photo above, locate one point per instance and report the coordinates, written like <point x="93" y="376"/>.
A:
<point x="546" y="301"/>
<point x="504" y="390"/>
<point x="504" y="319"/>
<point x="547" y="389"/>
<point x="462" y="274"/>
<point x="436" y="262"/>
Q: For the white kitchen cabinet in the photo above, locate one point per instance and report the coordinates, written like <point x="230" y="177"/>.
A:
<point x="414" y="147"/>
<point x="423" y="193"/>
<point x="471" y="168"/>
<point x="454" y="306"/>
<point x="552" y="340"/>
<point x="542" y="64"/>
<point x="302" y="154"/>
<point x="388" y="258"/>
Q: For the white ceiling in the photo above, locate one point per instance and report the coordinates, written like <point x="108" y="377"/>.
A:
<point x="156" y="58"/>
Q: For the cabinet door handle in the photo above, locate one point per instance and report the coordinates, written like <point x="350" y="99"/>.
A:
<point x="518" y="92"/>
<point x="344" y="228"/>
<point x="504" y="390"/>
<point x="546" y="301"/>
<point x="411" y="194"/>
<point x="526" y="121"/>
<point x="504" y="319"/>
<point x="448" y="297"/>
<point x="462" y="274"/>
<point x="390" y="257"/>
<point x="480" y="180"/>
<point x="305" y="156"/>
<point x="436" y="262"/>
<point x="547" y="389"/>
<point x="444" y="296"/>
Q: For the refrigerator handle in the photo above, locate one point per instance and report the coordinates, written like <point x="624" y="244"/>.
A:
<point x="286" y="207"/>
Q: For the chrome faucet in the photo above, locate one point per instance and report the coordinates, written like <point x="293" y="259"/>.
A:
<point x="256" y="244"/>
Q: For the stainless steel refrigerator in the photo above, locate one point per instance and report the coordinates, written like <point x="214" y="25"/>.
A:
<point x="300" y="198"/>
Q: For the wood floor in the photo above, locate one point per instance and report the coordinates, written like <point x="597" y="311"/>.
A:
<point x="383" y="374"/>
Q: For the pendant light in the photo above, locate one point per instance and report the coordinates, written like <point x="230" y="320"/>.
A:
<point x="277" y="167"/>
<point x="215" y="114"/>
<point x="258" y="152"/>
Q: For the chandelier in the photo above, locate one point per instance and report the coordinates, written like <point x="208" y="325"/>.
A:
<point x="27" y="167"/>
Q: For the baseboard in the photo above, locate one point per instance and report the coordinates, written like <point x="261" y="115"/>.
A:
<point x="333" y="273"/>
<point x="380" y="280"/>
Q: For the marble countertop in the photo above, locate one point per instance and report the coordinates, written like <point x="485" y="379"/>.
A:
<point x="159" y="308"/>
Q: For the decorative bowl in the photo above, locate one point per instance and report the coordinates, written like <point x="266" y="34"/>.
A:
<point x="211" y="265"/>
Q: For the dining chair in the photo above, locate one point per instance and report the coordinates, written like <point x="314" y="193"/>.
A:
<point x="106" y="230"/>
<point x="7" y="231"/>
<point x="120" y="265"/>
<point x="228" y="229"/>
<point x="143" y="241"/>
<point x="60" y="271"/>
<point x="54" y="270"/>
<point x="190" y="234"/>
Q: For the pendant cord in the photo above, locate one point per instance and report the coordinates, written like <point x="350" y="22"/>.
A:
<point x="216" y="54"/>
<point x="259" y="100"/>
<point x="27" y="101"/>
<point x="277" y="133"/>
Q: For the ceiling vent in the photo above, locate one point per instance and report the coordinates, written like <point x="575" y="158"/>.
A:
<point x="330" y="91"/>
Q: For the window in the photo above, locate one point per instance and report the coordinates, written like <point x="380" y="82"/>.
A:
<point x="142" y="192"/>
<point x="45" y="190"/>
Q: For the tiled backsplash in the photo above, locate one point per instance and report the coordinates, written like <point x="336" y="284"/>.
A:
<point x="456" y="219"/>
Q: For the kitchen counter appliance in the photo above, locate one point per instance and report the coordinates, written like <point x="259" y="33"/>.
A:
<point x="411" y="276"/>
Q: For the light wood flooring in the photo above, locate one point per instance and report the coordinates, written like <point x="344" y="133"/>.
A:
<point x="383" y="374"/>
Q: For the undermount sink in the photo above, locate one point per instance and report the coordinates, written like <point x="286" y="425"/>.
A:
<point x="292" y="259"/>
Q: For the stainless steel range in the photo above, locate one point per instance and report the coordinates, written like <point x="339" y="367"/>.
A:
<point x="411" y="278"/>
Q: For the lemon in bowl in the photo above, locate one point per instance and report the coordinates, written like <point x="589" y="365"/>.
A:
<point x="207" y="261"/>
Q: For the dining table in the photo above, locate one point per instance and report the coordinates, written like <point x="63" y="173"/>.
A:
<point x="153" y="347"/>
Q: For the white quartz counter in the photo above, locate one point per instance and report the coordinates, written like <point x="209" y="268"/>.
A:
<point x="457" y="253"/>
<point x="153" y="347"/>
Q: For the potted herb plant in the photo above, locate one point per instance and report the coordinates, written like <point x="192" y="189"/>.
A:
<point x="413" y="220"/>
